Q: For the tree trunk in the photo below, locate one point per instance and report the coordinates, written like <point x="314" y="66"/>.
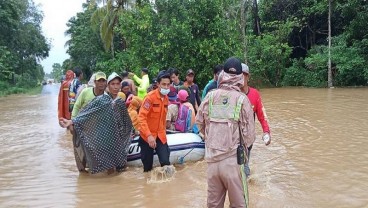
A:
<point x="243" y="26"/>
<point x="257" y="21"/>
<point x="329" y="79"/>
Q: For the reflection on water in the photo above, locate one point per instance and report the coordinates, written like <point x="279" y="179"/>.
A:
<point x="318" y="158"/>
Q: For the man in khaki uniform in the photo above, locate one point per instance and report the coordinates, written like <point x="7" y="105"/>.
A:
<point x="219" y="116"/>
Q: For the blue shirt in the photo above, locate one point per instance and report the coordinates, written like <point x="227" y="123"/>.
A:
<point x="205" y="90"/>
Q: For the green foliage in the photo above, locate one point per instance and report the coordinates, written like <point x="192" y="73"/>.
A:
<point x="349" y="66"/>
<point x="25" y="80"/>
<point x="290" y="51"/>
<point x="22" y="44"/>
<point x="84" y="47"/>
<point x="7" y="89"/>
<point x="57" y="71"/>
<point x="181" y="34"/>
<point x="296" y="74"/>
<point x="4" y="86"/>
<point x="269" y="53"/>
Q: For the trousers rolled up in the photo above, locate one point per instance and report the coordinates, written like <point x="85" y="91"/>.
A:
<point x="162" y="151"/>
<point x="225" y="176"/>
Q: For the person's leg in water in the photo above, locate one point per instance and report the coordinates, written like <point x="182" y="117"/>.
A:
<point x="146" y="155"/>
<point x="163" y="153"/>
<point x="80" y="157"/>
<point x="246" y="166"/>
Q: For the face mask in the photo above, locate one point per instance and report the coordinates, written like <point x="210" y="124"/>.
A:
<point x="164" y="91"/>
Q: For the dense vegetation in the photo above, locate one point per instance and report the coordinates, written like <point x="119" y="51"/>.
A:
<point x="22" y="46"/>
<point x="285" y="42"/>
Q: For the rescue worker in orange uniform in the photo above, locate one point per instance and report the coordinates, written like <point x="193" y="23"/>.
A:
<point x="152" y="124"/>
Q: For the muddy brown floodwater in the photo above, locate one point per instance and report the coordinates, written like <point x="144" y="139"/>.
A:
<point x="318" y="157"/>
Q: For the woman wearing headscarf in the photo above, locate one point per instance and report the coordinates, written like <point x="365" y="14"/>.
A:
<point x="63" y="100"/>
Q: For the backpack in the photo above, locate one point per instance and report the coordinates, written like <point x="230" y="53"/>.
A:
<point x="183" y="121"/>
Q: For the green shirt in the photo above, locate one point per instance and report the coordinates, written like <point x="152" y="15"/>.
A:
<point x="83" y="99"/>
<point x="143" y="85"/>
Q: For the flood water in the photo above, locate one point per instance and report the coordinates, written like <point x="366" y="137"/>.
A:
<point x="318" y="157"/>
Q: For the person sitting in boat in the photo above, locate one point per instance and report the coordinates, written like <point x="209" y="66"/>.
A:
<point x="132" y="88"/>
<point x="152" y="86"/>
<point x="125" y="88"/>
<point x="173" y="95"/>
<point x="181" y="115"/>
<point x="135" y="103"/>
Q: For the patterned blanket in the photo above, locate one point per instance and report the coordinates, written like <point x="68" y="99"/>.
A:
<point x="102" y="134"/>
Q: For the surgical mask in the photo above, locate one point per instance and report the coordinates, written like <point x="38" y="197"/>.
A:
<point x="164" y="91"/>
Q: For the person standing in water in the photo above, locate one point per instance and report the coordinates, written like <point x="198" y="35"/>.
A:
<point x="114" y="85"/>
<point x="89" y="93"/>
<point x="212" y="84"/>
<point x="102" y="130"/>
<point x="225" y="118"/>
<point x="152" y="124"/>
<point x="259" y="110"/>
<point x="63" y="99"/>
<point x="73" y="88"/>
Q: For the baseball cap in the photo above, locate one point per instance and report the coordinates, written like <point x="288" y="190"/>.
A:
<point x="100" y="75"/>
<point x="113" y="76"/>
<point x="245" y="68"/>
<point x="190" y="71"/>
<point x="233" y="66"/>
<point x="183" y="95"/>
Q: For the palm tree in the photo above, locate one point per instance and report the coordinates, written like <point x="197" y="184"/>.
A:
<point x="105" y="18"/>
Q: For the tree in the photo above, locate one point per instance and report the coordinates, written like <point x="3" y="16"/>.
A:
<point x="22" y="40"/>
<point x="57" y="71"/>
<point x="106" y="18"/>
<point x="84" y="46"/>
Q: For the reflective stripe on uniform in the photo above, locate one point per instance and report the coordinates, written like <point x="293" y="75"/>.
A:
<point x="225" y="110"/>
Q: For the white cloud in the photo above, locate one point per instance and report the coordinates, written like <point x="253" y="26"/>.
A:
<point x="56" y="15"/>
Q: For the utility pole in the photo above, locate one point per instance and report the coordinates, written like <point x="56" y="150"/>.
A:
<point x="329" y="79"/>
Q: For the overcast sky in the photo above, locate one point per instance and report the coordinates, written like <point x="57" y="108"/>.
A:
<point x="56" y="15"/>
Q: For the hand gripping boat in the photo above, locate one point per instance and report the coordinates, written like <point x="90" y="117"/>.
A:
<point x="183" y="147"/>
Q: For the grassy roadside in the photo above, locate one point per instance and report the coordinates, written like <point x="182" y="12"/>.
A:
<point x="18" y="90"/>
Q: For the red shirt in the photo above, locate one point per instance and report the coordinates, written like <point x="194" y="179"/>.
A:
<point x="256" y="102"/>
